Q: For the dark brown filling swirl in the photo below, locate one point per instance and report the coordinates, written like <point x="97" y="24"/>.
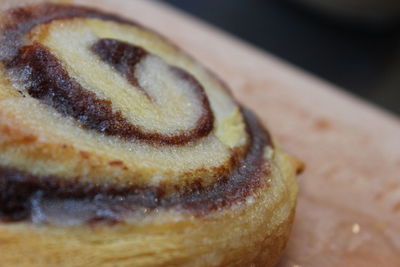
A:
<point x="25" y="197"/>
<point x="49" y="82"/>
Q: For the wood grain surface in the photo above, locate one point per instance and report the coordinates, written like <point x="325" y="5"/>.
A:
<point x="349" y="202"/>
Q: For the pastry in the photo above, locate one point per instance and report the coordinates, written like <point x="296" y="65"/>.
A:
<point x="119" y="149"/>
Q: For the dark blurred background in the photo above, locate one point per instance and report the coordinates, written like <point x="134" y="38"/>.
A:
<point x="352" y="43"/>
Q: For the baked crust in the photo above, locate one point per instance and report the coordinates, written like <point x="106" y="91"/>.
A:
<point x="107" y="170"/>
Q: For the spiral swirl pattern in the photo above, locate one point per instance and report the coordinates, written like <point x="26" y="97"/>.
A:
<point x="101" y="119"/>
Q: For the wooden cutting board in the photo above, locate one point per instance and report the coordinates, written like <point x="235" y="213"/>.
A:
<point x="349" y="202"/>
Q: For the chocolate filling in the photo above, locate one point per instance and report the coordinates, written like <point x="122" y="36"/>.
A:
<point x="121" y="55"/>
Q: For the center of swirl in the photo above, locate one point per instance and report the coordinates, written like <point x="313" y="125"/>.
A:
<point x="166" y="95"/>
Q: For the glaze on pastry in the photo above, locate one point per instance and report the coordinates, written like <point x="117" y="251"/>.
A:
<point x="118" y="149"/>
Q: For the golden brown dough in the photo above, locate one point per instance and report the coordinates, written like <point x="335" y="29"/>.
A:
<point x="118" y="149"/>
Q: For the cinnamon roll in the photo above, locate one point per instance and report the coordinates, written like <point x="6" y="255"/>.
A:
<point x="119" y="149"/>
